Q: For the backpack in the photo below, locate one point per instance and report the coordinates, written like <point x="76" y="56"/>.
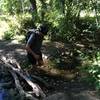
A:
<point x="29" y="34"/>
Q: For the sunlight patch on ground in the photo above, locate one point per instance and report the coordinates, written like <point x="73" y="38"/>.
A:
<point x="18" y="38"/>
<point x="15" y="41"/>
<point x="21" y="51"/>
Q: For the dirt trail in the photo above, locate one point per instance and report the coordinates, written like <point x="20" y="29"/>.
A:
<point x="78" y="90"/>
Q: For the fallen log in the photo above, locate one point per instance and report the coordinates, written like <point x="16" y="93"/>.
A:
<point x="13" y="62"/>
<point x="17" y="83"/>
<point x="38" y="79"/>
<point x="22" y="93"/>
<point x="35" y="87"/>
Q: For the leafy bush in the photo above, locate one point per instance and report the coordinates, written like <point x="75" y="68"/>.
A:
<point x="93" y="70"/>
<point x="8" y="35"/>
<point x="10" y="26"/>
<point x="16" y="25"/>
<point x="25" y="22"/>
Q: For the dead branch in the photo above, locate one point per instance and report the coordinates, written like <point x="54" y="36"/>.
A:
<point x="35" y="88"/>
<point x="17" y="83"/>
<point x="16" y="64"/>
<point x="20" y="89"/>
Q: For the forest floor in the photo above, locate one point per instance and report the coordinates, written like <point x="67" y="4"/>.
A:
<point x="60" y="80"/>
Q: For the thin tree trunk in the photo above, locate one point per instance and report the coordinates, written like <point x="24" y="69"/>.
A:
<point x="22" y="5"/>
<point x="34" y="10"/>
<point x="33" y="3"/>
<point x="43" y="9"/>
<point x="96" y="12"/>
<point x="63" y="6"/>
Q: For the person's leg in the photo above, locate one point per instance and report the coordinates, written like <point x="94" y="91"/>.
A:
<point x="40" y="61"/>
<point x="31" y="59"/>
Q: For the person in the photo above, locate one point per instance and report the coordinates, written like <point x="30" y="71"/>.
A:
<point x="34" y="44"/>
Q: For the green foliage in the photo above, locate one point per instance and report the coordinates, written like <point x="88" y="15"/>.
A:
<point x="18" y="23"/>
<point x="27" y="23"/>
<point x="62" y="15"/>
<point x="14" y="6"/>
<point x="9" y="27"/>
<point x="8" y="35"/>
<point x="93" y="70"/>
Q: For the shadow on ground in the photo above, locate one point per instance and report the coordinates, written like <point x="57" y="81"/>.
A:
<point x="73" y="89"/>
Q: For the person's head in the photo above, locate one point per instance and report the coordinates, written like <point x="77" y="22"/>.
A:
<point x="43" y="29"/>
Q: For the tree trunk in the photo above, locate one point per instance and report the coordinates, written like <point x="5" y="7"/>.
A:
<point x="43" y="10"/>
<point x="94" y="3"/>
<point x="63" y="6"/>
<point x="34" y="10"/>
